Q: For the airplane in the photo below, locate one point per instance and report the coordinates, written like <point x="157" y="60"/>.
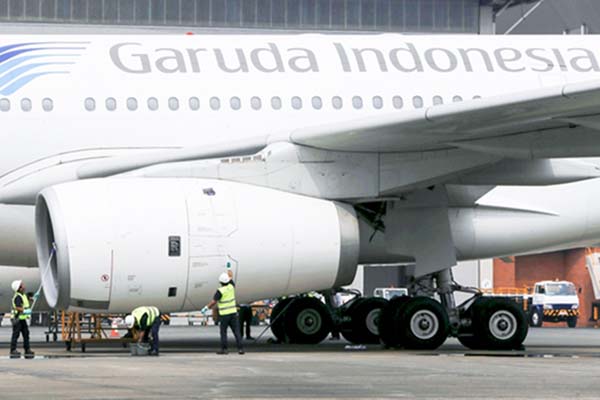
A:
<point x="135" y="169"/>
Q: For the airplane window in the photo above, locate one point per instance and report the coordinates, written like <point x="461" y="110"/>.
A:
<point x="317" y="103"/>
<point x="235" y="103"/>
<point x="357" y="102"/>
<point x="337" y="102"/>
<point x="418" y="102"/>
<point x="153" y="103"/>
<point x="255" y="103"/>
<point x="132" y="104"/>
<point x="4" y="105"/>
<point x="111" y="104"/>
<point x="173" y="103"/>
<point x="194" y="103"/>
<point x="437" y="100"/>
<point x="476" y="97"/>
<point x="457" y="99"/>
<point x="377" y="102"/>
<point x="215" y="103"/>
<point x="26" y="104"/>
<point x="47" y="104"/>
<point x="397" y="102"/>
<point x="296" y="103"/>
<point x="276" y="103"/>
<point x="90" y="104"/>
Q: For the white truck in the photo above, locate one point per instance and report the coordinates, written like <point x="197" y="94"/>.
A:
<point x="554" y="301"/>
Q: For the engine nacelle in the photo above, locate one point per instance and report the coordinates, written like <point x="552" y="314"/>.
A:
<point x="126" y="242"/>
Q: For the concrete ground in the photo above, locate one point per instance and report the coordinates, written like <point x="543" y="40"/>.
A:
<point x="557" y="363"/>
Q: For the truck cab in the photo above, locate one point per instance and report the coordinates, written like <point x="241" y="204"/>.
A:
<point x="554" y="301"/>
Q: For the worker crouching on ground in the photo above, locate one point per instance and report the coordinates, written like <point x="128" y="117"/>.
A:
<point x="148" y="320"/>
<point x="224" y="298"/>
<point x="21" y="312"/>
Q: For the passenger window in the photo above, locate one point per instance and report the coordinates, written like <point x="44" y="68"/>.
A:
<point x="26" y="104"/>
<point x="476" y="97"/>
<point x="377" y="102"/>
<point x="437" y="100"/>
<point x="215" y="103"/>
<point x="4" y="105"/>
<point x="296" y="103"/>
<point x="276" y="103"/>
<point x="357" y="102"/>
<point x="153" y="104"/>
<point x="255" y="103"/>
<point x="235" y="103"/>
<point x="457" y="99"/>
<point x="337" y="102"/>
<point x="173" y="103"/>
<point x="418" y="102"/>
<point x="132" y="104"/>
<point x="90" y="104"/>
<point x="194" y="103"/>
<point x="397" y="102"/>
<point x="317" y="103"/>
<point x="47" y="104"/>
<point x="111" y="104"/>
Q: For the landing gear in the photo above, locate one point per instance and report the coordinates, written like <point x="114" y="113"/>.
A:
<point x="363" y="315"/>
<point x="424" y="323"/>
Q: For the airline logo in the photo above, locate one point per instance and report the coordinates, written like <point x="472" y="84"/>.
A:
<point x="22" y="63"/>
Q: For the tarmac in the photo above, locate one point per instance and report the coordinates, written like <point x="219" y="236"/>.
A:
<point x="556" y="363"/>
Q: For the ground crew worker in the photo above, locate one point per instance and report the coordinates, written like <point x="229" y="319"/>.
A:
<point x="21" y="312"/>
<point x="224" y="298"/>
<point x="148" y="320"/>
<point x="245" y="316"/>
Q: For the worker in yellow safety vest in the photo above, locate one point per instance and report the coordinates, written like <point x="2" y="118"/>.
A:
<point x="224" y="298"/>
<point x="21" y="312"/>
<point x="148" y="320"/>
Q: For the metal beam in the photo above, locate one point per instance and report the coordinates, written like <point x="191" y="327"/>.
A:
<point x="524" y="17"/>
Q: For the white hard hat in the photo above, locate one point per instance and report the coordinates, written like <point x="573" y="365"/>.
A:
<point x="129" y="321"/>
<point x="224" y="278"/>
<point x="15" y="285"/>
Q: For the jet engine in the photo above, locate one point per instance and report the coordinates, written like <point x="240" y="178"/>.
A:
<point x="113" y="244"/>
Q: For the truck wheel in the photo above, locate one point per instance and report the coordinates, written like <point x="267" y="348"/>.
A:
<point x="307" y="321"/>
<point x="277" y="323"/>
<point x="500" y="324"/>
<point x="389" y="334"/>
<point x="423" y="324"/>
<point x="364" y="325"/>
<point x="572" y="322"/>
<point x="535" y="318"/>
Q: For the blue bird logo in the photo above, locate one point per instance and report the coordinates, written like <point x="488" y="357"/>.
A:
<point x="22" y="63"/>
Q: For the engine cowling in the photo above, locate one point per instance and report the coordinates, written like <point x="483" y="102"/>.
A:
<point x="129" y="241"/>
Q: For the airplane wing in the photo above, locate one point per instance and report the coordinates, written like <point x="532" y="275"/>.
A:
<point x="473" y="125"/>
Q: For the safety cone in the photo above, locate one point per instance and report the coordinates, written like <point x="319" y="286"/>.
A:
<point x="114" y="333"/>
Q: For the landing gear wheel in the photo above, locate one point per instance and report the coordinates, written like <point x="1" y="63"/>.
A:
<point x="423" y="324"/>
<point x="307" y="321"/>
<point x="389" y="335"/>
<point x="278" y="326"/>
<point x="364" y="325"/>
<point x="535" y="318"/>
<point x="572" y="322"/>
<point x="499" y="324"/>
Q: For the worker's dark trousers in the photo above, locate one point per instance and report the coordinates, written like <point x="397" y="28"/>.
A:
<point x="245" y="320"/>
<point x="18" y="329"/>
<point x="232" y="321"/>
<point x="154" y="330"/>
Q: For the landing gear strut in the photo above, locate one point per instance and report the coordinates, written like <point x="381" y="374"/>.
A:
<point x="421" y="322"/>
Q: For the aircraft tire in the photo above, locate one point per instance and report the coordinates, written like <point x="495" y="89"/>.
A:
<point x="364" y="325"/>
<point x="389" y="334"/>
<point x="278" y="326"/>
<point x="423" y="324"/>
<point x="307" y="321"/>
<point x="499" y="324"/>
